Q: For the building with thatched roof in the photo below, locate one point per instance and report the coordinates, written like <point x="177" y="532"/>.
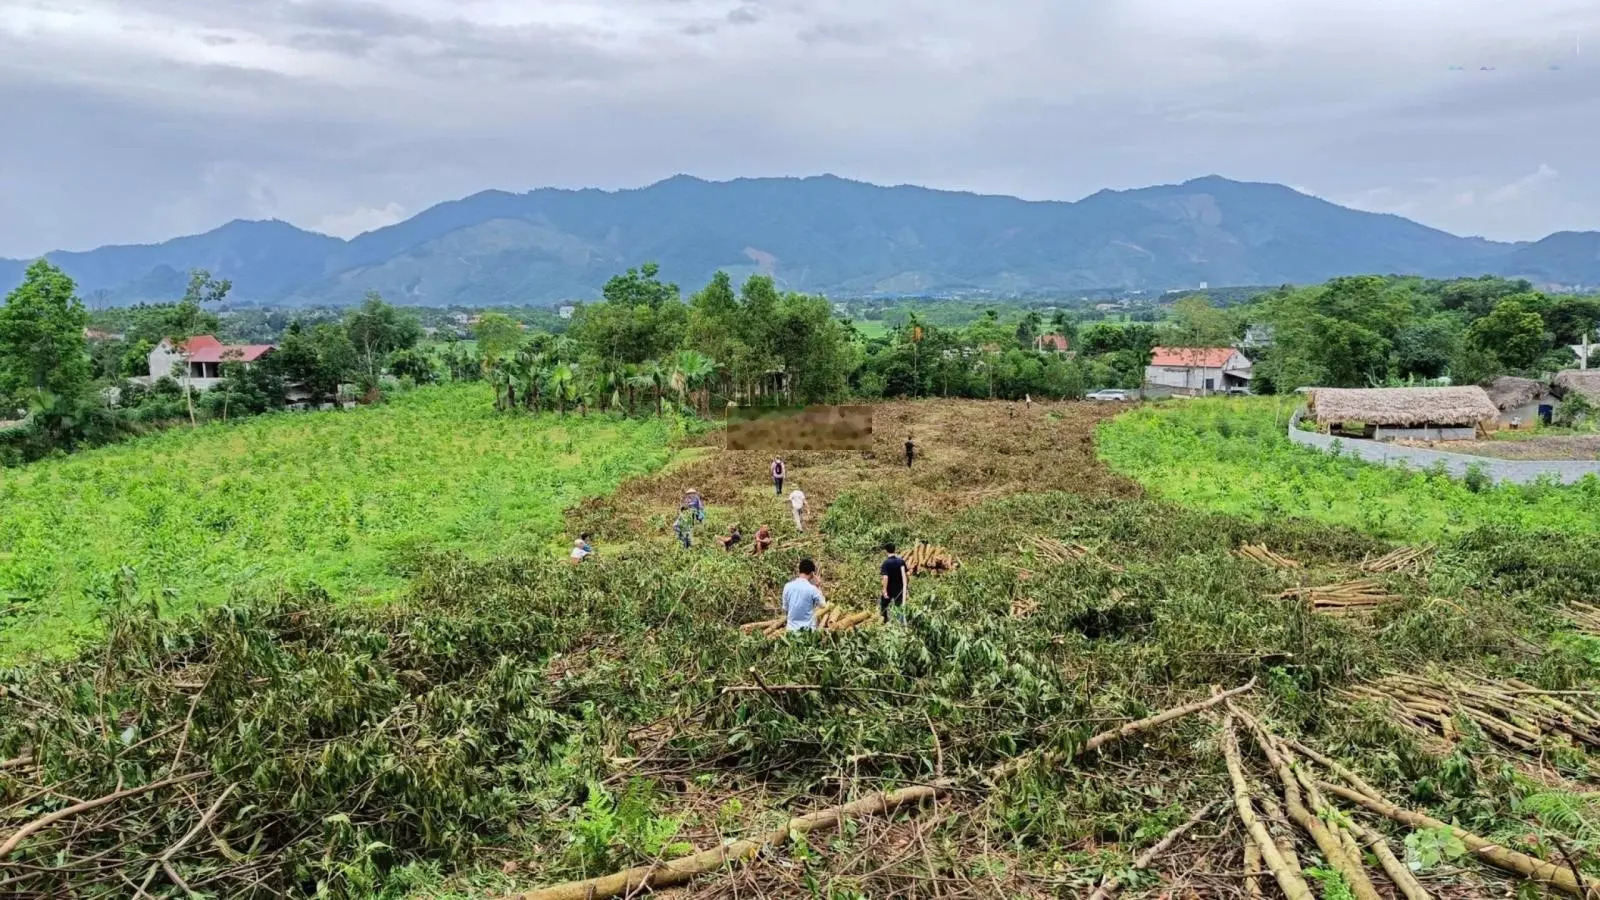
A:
<point x="1429" y="414"/>
<point x="1519" y="399"/>
<point x="1585" y="382"/>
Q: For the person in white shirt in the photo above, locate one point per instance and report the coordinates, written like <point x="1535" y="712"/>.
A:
<point x="802" y="598"/>
<point x="797" y="504"/>
<point x="580" y="551"/>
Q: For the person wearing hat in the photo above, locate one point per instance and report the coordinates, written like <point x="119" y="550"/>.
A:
<point x="692" y="501"/>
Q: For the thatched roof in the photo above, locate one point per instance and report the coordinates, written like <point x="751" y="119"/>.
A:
<point x="1581" y="381"/>
<point x="1510" y="392"/>
<point x="1402" y="407"/>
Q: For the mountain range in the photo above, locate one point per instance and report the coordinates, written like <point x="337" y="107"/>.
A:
<point x="819" y="234"/>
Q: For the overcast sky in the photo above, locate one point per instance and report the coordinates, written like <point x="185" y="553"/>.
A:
<point x="138" y="120"/>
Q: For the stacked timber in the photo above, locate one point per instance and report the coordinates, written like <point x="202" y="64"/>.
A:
<point x="1509" y="712"/>
<point x="1260" y="554"/>
<point x="925" y="557"/>
<point x="1052" y="550"/>
<point x="1405" y="559"/>
<point x="1343" y="598"/>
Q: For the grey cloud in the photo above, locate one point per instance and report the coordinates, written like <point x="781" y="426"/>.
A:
<point x="341" y="111"/>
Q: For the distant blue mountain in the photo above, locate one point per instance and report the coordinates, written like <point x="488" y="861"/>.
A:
<point x="822" y="234"/>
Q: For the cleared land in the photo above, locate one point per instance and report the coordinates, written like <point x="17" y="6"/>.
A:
<point x="516" y="722"/>
<point x="336" y="499"/>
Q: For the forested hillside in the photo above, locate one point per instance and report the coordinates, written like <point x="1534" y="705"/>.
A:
<point x="819" y="235"/>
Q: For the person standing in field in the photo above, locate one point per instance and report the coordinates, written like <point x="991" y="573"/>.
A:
<point x="895" y="582"/>
<point x="693" y="503"/>
<point x="797" y="505"/>
<point x="802" y="598"/>
<point x="684" y="527"/>
<point x="911" y="451"/>
<point x="778" y="471"/>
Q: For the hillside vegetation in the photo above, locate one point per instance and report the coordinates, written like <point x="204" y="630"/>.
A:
<point x="342" y="500"/>
<point x="820" y="234"/>
<point x="515" y="722"/>
<point x="1233" y="456"/>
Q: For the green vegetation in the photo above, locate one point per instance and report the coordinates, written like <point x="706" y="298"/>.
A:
<point x="1373" y="331"/>
<point x="515" y="721"/>
<point x="1232" y="455"/>
<point x="339" y="499"/>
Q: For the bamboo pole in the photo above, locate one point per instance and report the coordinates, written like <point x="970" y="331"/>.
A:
<point x="1548" y="874"/>
<point x="1333" y="849"/>
<point x="684" y="869"/>
<point x="65" y="813"/>
<point x="1293" y="886"/>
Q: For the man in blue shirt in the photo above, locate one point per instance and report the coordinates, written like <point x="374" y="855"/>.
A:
<point x="802" y="598"/>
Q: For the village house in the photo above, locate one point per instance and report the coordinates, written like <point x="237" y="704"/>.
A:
<point x="1198" y="370"/>
<point x="1387" y="414"/>
<point x="1583" y="382"/>
<point x="1520" y="400"/>
<point x="197" y="362"/>
<point x="1054" y="343"/>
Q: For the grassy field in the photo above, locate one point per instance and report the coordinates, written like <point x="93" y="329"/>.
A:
<point x="1231" y="455"/>
<point x="338" y="499"/>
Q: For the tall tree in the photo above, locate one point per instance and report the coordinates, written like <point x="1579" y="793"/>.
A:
<point x="1512" y="333"/>
<point x="1196" y="323"/>
<point x="42" y="347"/>
<point x="377" y="330"/>
<point x="498" y="336"/>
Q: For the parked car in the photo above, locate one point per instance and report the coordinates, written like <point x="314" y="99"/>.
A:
<point x="1108" y="396"/>
<point x="1239" y="392"/>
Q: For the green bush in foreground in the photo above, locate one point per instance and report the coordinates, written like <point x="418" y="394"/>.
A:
<point x="1232" y="455"/>
<point x="572" y="718"/>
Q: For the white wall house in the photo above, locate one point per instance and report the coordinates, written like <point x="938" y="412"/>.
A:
<point x="197" y="363"/>
<point x="1198" y="370"/>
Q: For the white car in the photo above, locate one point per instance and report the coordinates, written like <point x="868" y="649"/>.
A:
<point x="1108" y="396"/>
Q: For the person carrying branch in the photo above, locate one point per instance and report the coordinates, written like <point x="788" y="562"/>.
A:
<point x="895" y="584"/>
<point x="693" y="503"/>
<point x="802" y="598"/>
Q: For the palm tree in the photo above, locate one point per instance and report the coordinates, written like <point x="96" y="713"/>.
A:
<point x="561" y="386"/>
<point x="690" y="370"/>
<point x="655" y="377"/>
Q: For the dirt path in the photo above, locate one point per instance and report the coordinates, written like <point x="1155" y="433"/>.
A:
<point x="969" y="451"/>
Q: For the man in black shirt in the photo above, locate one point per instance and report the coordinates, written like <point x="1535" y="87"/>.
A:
<point x="893" y="573"/>
<point x="911" y="450"/>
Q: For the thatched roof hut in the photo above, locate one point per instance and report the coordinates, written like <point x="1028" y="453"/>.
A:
<point x="1579" y="381"/>
<point x="1402" y="407"/>
<point x="1510" y="392"/>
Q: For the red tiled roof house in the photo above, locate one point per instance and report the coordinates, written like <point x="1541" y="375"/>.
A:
<point x="198" y="361"/>
<point x="1197" y="370"/>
